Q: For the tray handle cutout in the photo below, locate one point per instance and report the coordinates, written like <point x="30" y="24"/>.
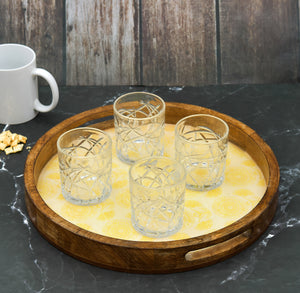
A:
<point x="224" y="248"/>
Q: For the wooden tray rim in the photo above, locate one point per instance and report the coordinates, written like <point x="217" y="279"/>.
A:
<point x="212" y="238"/>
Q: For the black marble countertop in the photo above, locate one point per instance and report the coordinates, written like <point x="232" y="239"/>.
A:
<point x="28" y="263"/>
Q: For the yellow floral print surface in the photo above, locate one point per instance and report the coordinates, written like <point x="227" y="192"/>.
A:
<point x="204" y="212"/>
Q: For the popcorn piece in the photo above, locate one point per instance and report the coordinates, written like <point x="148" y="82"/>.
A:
<point x="5" y="137"/>
<point x="17" y="138"/>
<point x="5" y="134"/>
<point x="11" y="142"/>
<point x="14" y="149"/>
<point x="14" y="140"/>
<point x="22" y="138"/>
<point x="18" y="147"/>
<point x="2" y="146"/>
<point x="8" y="150"/>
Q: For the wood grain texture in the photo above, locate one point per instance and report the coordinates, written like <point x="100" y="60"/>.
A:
<point x="259" y="41"/>
<point x="39" y="25"/>
<point x="102" y="42"/>
<point x="161" y="256"/>
<point x="191" y="42"/>
<point x="178" y="42"/>
<point x="12" y="28"/>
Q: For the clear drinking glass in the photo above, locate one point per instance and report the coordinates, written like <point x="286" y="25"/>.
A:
<point x="139" y="125"/>
<point x="85" y="160"/>
<point x="201" y="146"/>
<point x="157" y="189"/>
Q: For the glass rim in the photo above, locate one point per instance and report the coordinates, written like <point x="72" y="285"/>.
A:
<point x="60" y="149"/>
<point x="202" y="142"/>
<point x="139" y="119"/>
<point x="173" y="161"/>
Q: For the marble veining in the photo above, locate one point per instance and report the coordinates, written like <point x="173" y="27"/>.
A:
<point x="282" y="221"/>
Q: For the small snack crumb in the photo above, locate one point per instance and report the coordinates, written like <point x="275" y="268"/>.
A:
<point x="11" y="143"/>
<point x="2" y="146"/>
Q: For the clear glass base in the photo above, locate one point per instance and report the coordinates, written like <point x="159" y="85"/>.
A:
<point x="156" y="234"/>
<point x="127" y="160"/>
<point x="81" y="202"/>
<point x="205" y="187"/>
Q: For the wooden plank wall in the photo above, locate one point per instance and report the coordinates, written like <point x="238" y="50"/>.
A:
<point x="179" y="42"/>
<point x="158" y="42"/>
<point x="259" y="41"/>
<point x="102" y="42"/>
<point x="38" y="24"/>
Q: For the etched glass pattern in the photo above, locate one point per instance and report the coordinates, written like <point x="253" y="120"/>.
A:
<point x="85" y="165"/>
<point x="157" y="188"/>
<point x="201" y="146"/>
<point x="139" y="125"/>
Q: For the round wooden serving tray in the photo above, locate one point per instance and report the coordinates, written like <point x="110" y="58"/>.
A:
<point x="148" y="256"/>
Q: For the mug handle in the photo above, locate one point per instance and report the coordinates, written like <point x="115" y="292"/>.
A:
<point x="54" y="89"/>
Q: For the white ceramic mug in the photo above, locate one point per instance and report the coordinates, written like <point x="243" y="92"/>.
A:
<point x="19" y="100"/>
